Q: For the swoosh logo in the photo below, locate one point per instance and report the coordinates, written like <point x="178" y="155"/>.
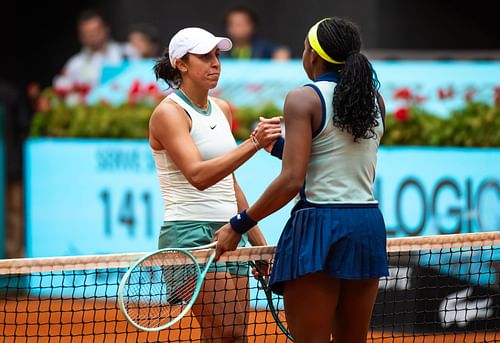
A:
<point x="213" y="127"/>
<point x="457" y="309"/>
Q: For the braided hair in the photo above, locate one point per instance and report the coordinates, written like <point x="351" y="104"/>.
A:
<point x="354" y="98"/>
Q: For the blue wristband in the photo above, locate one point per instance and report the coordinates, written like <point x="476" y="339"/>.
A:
<point x="241" y="222"/>
<point x="277" y="150"/>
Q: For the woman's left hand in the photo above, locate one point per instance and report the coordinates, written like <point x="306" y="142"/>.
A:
<point x="227" y="240"/>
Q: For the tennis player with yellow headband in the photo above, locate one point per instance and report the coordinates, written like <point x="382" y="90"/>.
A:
<point x="332" y="250"/>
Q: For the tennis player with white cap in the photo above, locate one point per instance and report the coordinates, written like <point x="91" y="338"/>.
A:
<point x="196" y="155"/>
<point x="195" y="40"/>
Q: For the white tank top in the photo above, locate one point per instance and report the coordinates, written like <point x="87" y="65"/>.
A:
<point x="182" y="201"/>
<point x="340" y="171"/>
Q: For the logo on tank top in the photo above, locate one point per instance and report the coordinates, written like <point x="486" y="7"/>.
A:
<point x="213" y="127"/>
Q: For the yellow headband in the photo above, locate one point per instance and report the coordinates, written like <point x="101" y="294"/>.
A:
<point x="312" y="36"/>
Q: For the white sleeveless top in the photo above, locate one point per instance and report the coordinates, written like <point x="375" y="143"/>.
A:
<point x="340" y="171"/>
<point x="182" y="201"/>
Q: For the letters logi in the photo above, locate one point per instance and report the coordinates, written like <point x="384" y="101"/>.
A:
<point x="469" y="210"/>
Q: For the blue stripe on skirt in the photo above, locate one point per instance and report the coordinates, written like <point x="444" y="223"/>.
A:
<point x="345" y="242"/>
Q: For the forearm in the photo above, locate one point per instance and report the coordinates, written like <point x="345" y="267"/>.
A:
<point x="207" y="173"/>
<point x="300" y="106"/>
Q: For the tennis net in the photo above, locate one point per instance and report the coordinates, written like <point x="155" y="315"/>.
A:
<point x="440" y="289"/>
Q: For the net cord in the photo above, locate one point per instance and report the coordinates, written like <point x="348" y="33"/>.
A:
<point x="106" y="261"/>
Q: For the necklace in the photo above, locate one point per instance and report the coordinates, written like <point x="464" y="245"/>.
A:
<point x="205" y="110"/>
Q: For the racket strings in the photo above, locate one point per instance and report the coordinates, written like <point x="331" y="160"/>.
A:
<point x="160" y="288"/>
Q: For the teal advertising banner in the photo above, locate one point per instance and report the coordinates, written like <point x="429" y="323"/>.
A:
<point x="102" y="196"/>
<point x="430" y="191"/>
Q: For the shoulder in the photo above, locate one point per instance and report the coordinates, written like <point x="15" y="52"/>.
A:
<point x="75" y="59"/>
<point x="224" y="106"/>
<point x="303" y="98"/>
<point x="167" y="112"/>
<point x="167" y="106"/>
<point x="129" y="51"/>
<point x="116" y="51"/>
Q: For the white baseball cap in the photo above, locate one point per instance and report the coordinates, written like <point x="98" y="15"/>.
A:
<point x="197" y="41"/>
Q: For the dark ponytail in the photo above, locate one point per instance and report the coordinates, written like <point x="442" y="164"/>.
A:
<point x="164" y="70"/>
<point x="354" y="98"/>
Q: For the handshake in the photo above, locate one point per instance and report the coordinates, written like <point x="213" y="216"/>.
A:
<point x="267" y="132"/>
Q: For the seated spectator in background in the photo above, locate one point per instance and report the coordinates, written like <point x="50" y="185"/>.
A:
<point x="241" y="23"/>
<point x="98" y="49"/>
<point x="15" y="119"/>
<point x="145" y="40"/>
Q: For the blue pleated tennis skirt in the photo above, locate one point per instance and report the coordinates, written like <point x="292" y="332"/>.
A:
<point x="344" y="241"/>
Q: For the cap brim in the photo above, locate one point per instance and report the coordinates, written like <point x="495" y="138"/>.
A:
<point x="223" y="43"/>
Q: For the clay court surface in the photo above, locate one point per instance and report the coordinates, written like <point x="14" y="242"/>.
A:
<point x="90" y="321"/>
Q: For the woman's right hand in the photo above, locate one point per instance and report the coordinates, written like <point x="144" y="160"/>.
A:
<point x="267" y="131"/>
<point x="262" y="268"/>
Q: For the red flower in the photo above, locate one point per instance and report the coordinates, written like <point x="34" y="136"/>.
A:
<point x="62" y="92"/>
<point x="134" y="92"/>
<point x="402" y="114"/>
<point x="82" y="88"/>
<point x="442" y="94"/>
<point x="232" y="108"/>
<point x="403" y="94"/>
<point x="43" y="104"/>
<point x="152" y="88"/>
<point x="445" y="93"/>
<point x="135" y="88"/>
<point x="235" y="124"/>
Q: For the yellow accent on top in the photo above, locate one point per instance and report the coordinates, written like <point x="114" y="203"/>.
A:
<point x="312" y="36"/>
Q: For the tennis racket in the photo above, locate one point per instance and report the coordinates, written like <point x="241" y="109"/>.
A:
<point x="161" y="287"/>
<point x="273" y="300"/>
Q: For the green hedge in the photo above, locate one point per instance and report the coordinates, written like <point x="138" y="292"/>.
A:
<point x="476" y="124"/>
<point x="93" y="121"/>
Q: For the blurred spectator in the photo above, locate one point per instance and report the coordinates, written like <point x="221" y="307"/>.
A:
<point x="145" y="40"/>
<point x="16" y="117"/>
<point x="241" y="24"/>
<point x="98" y="49"/>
